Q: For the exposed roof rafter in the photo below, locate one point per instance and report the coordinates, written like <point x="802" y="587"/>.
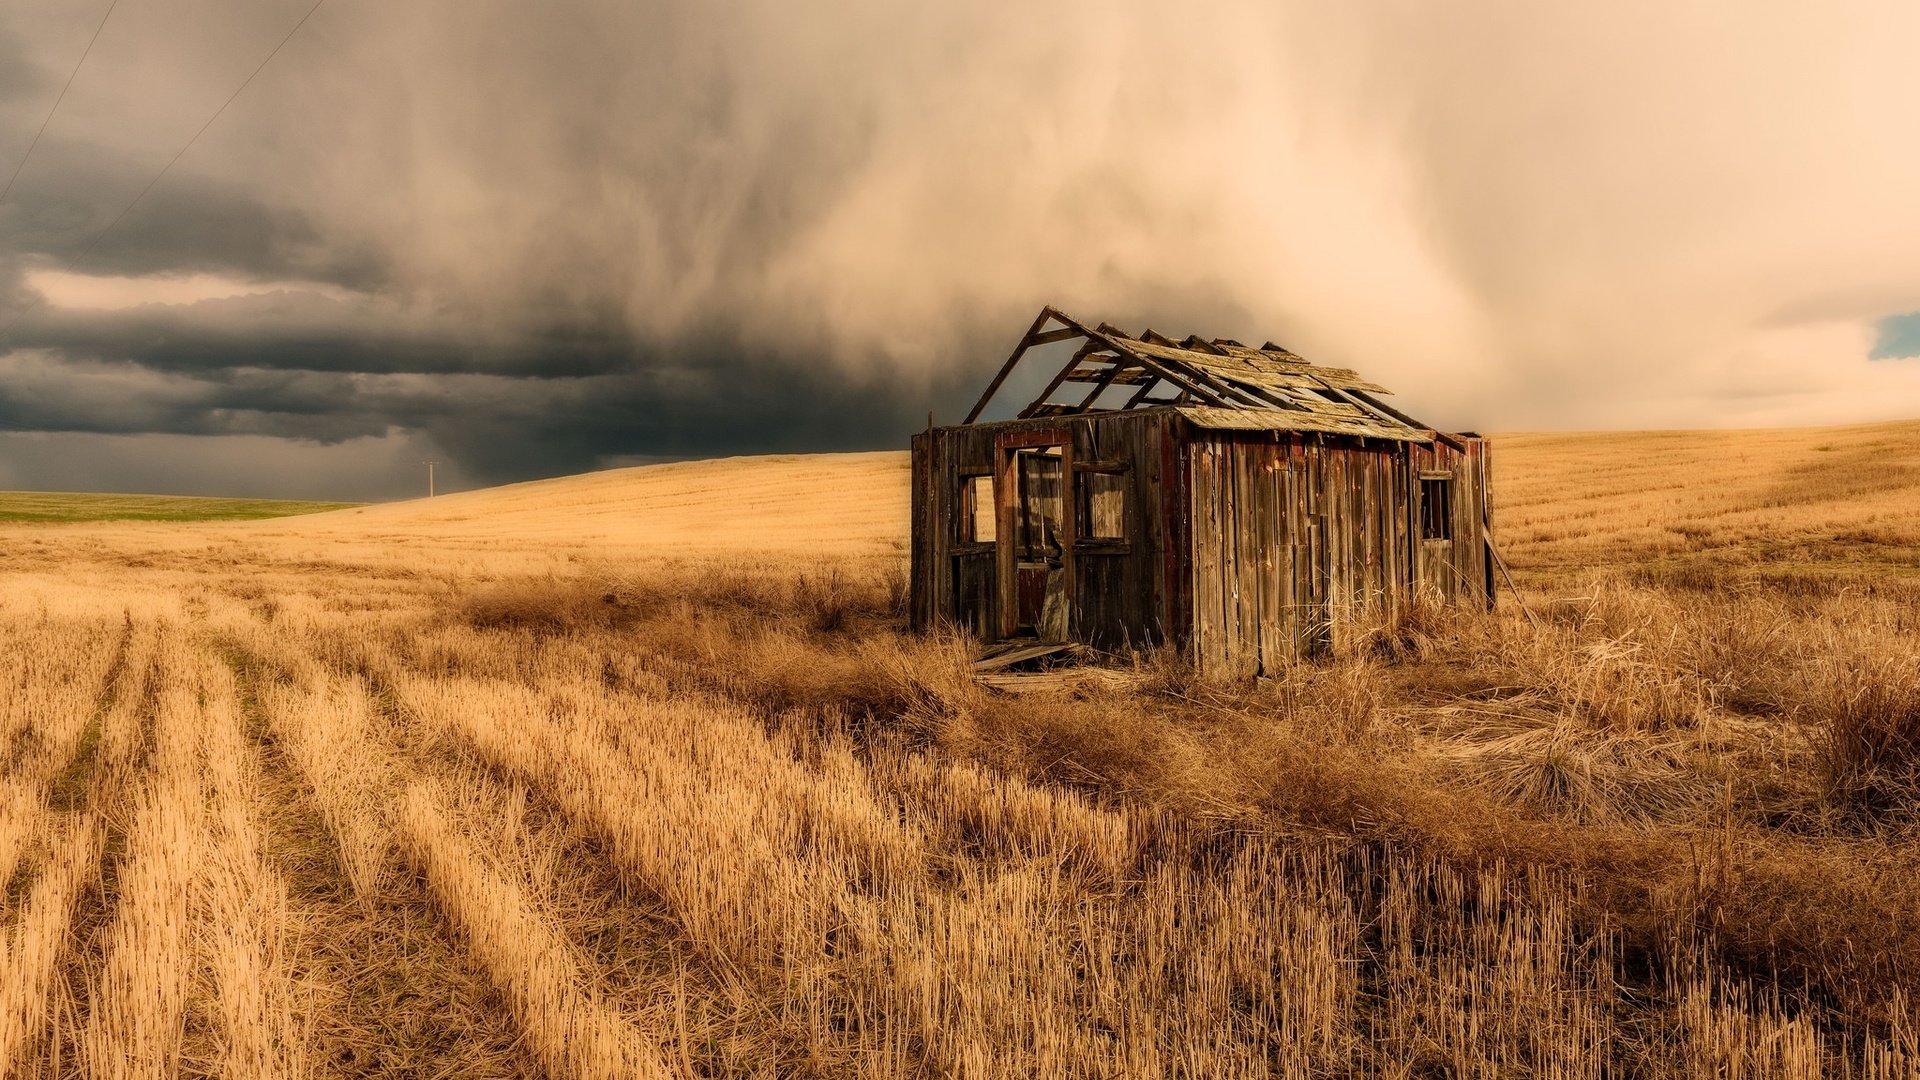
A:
<point x="1273" y="387"/>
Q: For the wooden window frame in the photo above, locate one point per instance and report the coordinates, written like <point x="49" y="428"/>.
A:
<point x="1432" y="476"/>
<point x="1102" y="545"/>
<point x="963" y="542"/>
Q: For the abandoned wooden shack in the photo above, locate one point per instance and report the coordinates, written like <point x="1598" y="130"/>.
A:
<point x="1239" y="503"/>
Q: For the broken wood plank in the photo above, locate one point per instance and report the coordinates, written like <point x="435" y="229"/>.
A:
<point x="1024" y="653"/>
<point x="1118" y="375"/>
<point x="1059" y="679"/>
<point x="1001" y="647"/>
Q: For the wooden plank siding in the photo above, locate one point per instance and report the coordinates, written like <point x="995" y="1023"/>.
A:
<point x="1248" y="548"/>
<point x="1300" y="544"/>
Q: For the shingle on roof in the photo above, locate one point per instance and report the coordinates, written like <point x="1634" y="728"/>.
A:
<point x="1216" y="384"/>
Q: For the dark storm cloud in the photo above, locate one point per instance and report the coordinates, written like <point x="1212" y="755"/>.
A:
<point x="524" y="244"/>
<point x="540" y="237"/>
<point x="220" y="227"/>
<point x="70" y="194"/>
<point x="500" y="428"/>
<point x="306" y="330"/>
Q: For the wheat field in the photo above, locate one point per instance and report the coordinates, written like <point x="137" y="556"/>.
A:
<point x="636" y="774"/>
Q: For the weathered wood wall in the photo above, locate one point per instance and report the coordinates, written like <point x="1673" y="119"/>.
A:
<point x="1304" y="543"/>
<point x="1300" y="541"/>
<point x="1123" y="592"/>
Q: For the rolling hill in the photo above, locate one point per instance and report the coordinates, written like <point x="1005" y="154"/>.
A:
<point x="1802" y="498"/>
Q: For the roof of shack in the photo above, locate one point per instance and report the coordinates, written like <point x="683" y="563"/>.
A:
<point x="1219" y="384"/>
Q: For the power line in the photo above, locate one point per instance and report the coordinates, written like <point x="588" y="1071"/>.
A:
<point x="168" y="167"/>
<point x="56" y="101"/>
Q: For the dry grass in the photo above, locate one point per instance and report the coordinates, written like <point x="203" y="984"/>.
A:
<point x="135" y="1023"/>
<point x="37" y="940"/>
<point x="1863" y="698"/>
<point x="520" y="784"/>
<point x="571" y="1030"/>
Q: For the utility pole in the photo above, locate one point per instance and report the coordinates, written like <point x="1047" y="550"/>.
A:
<point x="429" y="465"/>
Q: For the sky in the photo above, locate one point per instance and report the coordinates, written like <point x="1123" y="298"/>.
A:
<point x="525" y="240"/>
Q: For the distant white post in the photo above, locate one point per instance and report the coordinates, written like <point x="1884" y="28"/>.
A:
<point x="429" y="465"/>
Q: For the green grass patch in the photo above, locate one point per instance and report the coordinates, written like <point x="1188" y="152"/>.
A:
<point x="53" y="506"/>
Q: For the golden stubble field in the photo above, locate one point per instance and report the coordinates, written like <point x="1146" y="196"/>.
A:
<point x="635" y="774"/>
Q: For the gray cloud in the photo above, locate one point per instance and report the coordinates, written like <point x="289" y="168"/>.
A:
<point x="541" y="237"/>
<point x="238" y="466"/>
<point x="300" y="330"/>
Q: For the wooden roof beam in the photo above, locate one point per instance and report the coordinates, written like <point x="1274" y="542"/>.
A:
<point x="1059" y="377"/>
<point x="1273" y="398"/>
<point x="1371" y="408"/>
<point x="1373" y="404"/>
<point x="1107" y="380"/>
<point x="1140" y="396"/>
<point x="1256" y="396"/>
<point x="1027" y="341"/>
<point x="1192" y="381"/>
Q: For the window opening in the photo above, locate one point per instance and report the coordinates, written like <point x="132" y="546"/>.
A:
<point x="979" y="523"/>
<point x="1436" y="509"/>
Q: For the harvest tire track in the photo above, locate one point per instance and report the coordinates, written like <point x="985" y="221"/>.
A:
<point x="125" y="707"/>
<point x="391" y="992"/>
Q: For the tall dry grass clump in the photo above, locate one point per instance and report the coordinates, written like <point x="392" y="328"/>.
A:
<point x="1863" y="695"/>
<point x="125" y="740"/>
<point x="53" y="673"/>
<point x="1614" y="660"/>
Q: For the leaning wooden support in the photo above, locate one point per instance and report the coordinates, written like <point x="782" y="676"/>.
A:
<point x="1506" y="573"/>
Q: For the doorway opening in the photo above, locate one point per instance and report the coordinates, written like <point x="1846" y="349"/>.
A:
<point x="1035" y="539"/>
